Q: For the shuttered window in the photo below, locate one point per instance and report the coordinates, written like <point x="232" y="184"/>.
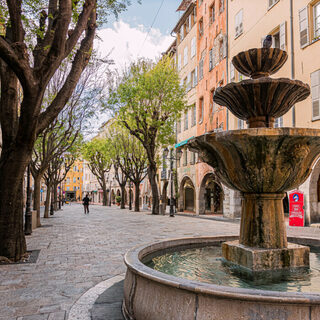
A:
<point x="210" y="60"/>
<point x="272" y="3"/>
<point x="282" y="36"/>
<point x="185" y="56"/>
<point x="193" y="47"/>
<point x="232" y="73"/>
<point x="316" y="20"/>
<point x="186" y="122"/>
<point x="239" y="23"/>
<point x="304" y="27"/>
<point x="201" y="69"/>
<point x="194" y="115"/>
<point x="315" y="93"/>
<point x="278" y="122"/>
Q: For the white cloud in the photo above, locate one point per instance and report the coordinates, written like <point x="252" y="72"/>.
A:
<point x="127" y="43"/>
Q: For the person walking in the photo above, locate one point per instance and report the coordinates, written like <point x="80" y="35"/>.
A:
<point x="86" y="201"/>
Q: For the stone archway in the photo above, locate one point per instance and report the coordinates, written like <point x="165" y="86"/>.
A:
<point x="211" y="195"/>
<point x="187" y="198"/>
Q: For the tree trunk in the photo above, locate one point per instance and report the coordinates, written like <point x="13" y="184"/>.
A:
<point x="47" y="205"/>
<point x="104" y="195"/>
<point x="12" y="168"/>
<point x="152" y="175"/>
<point x="123" y="190"/>
<point x="55" y="197"/>
<point x="36" y="199"/>
<point x="136" y="196"/>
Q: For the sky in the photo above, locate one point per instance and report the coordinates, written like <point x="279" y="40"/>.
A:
<point x="131" y="36"/>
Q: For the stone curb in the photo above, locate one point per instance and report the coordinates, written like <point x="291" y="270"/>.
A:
<point x="81" y="308"/>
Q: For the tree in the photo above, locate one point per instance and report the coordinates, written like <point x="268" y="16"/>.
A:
<point x="65" y="130"/>
<point x="39" y="36"/>
<point x="131" y="157"/>
<point x="148" y="101"/>
<point x="97" y="153"/>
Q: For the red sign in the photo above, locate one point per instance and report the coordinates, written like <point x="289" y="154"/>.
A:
<point x="296" y="212"/>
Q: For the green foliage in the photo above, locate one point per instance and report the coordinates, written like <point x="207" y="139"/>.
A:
<point x="97" y="153"/>
<point x="149" y="100"/>
<point x="118" y="199"/>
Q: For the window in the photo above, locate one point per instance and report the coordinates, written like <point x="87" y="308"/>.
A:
<point x="212" y="54"/>
<point x="192" y="158"/>
<point x="271" y="3"/>
<point x="179" y="62"/>
<point x="212" y="13"/>
<point x="74" y="180"/>
<point x="179" y="126"/>
<point x="221" y="6"/>
<point x="201" y="109"/>
<point x="182" y="32"/>
<point x="185" y="56"/>
<point x="194" y="116"/>
<point x="303" y="27"/>
<point x="232" y="73"/>
<point x="193" y="47"/>
<point x="201" y="28"/>
<point x="212" y="104"/>
<point x="316" y="20"/>
<point x="190" y="21"/>
<point x="185" y="157"/>
<point x="68" y="188"/>
<point x="239" y="23"/>
<point x="186" y="121"/>
<point x="315" y="93"/>
<point x="278" y="122"/>
<point x="189" y="83"/>
<point x="201" y="69"/>
<point x="68" y="180"/>
<point x="240" y="124"/>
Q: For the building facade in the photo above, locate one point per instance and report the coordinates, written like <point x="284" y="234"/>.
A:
<point x="73" y="183"/>
<point x="295" y="28"/>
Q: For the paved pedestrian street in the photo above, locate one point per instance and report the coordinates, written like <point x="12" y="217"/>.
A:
<point x="78" y="251"/>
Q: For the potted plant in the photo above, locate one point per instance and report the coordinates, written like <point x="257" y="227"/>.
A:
<point x="118" y="200"/>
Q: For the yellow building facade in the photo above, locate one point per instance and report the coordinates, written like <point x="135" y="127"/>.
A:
<point x="73" y="183"/>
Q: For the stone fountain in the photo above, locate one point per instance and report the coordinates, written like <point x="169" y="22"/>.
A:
<point x="262" y="162"/>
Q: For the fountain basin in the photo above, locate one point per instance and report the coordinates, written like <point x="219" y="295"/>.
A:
<point x="153" y="295"/>
<point x="260" y="101"/>
<point x="259" y="62"/>
<point x="260" y="160"/>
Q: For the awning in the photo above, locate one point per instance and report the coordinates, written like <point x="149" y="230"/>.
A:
<point x="182" y="143"/>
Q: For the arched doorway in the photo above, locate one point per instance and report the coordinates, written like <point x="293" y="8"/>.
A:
<point x="211" y="195"/>
<point x="187" y="195"/>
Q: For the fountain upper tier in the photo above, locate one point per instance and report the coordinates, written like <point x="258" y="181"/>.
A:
<point x="262" y="99"/>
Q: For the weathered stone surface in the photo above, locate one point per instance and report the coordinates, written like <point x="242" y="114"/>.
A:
<point x="260" y="101"/>
<point x="257" y="259"/>
<point x="260" y="160"/>
<point x="259" y="62"/>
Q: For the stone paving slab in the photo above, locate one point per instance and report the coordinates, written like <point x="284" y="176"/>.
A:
<point x="80" y="251"/>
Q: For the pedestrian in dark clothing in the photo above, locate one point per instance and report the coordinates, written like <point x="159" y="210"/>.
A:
<point x="86" y="201"/>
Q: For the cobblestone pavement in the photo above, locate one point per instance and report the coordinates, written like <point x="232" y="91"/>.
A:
<point x="78" y="251"/>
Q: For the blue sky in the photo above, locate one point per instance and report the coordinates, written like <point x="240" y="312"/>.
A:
<point x="145" y="12"/>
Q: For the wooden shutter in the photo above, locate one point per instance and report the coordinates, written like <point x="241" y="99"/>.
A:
<point x="304" y="27"/>
<point x="210" y="60"/>
<point x="315" y="93"/>
<point x="282" y="36"/>
<point x="196" y="76"/>
<point x="224" y="46"/>
<point x="232" y="76"/>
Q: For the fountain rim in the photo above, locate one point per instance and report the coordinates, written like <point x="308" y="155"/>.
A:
<point x="263" y="132"/>
<point x="133" y="262"/>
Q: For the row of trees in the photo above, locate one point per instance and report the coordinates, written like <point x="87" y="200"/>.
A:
<point x="39" y="37"/>
<point x="146" y="103"/>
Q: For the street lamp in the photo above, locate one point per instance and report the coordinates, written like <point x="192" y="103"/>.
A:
<point x="28" y="215"/>
<point x="171" y="158"/>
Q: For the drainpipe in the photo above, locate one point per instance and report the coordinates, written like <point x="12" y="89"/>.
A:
<point x="292" y="59"/>
<point x="227" y="59"/>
